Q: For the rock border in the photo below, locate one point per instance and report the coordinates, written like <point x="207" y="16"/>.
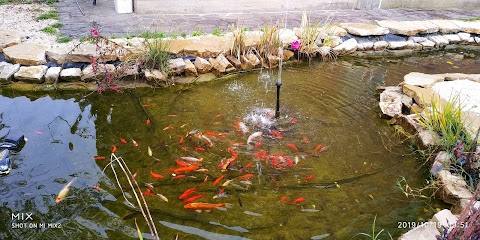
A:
<point x="403" y="105"/>
<point x="197" y="57"/>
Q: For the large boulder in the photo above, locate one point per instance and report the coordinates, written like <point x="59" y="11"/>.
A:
<point x="422" y="79"/>
<point x="9" y="38"/>
<point x="427" y="139"/>
<point x="156" y="77"/>
<point x="88" y="75"/>
<point x="6" y="72"/>
<point x="422" y="96"/>
<point x="83" y="53"/>
<point x="32" y="74"/>
<point x="202" y="65"/>
<point x="364" y="29"/>
<point x="453" y="188"/>
<point x="221" y="65"/>
<point x="391" y="103"/>
<point x="30" y="54"/>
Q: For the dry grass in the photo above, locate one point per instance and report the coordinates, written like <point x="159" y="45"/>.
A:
<point x="269" y="43"/>
<point x="238" y="47"/>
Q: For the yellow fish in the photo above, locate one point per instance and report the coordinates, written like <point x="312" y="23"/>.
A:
<point x="450" y="62"/>
<point x="63" y="193"/>
<point x="150" y="153"/>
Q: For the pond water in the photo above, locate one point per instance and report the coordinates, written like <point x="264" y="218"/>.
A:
<point x="344" y="185"/>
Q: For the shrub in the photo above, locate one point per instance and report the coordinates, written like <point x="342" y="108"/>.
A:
<point x="197" y="32"/>
<point x="49" y="15"/>
<point x="50" y="30"/>
<point x="217" y="31"/>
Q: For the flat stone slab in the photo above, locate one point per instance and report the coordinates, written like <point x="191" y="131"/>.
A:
<point x="29" y="54"/>
<point x="6" y="72"/>
<point x="33" y="74"/>
<point x="62" y="53"/>
<point x="422" y="79"/>
<point x="446" y="26"/>
<point x="364" y="29"/>
<point x="469" y="27"/>
<point x="409" y="28"/>
<point x="207" y="46"/>
<point x="8" y="39"/>
<point x="346" y="47"/>
<point x="423" y="232"/>
<point x="71" y="74"/>
<point x="422" y="96"/>
<point x="467" y="91"/>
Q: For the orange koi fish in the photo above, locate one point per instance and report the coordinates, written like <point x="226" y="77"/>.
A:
<point x="156" y="175"/>
<point x="199" y="149"/>
<point x="276" y="134"/>
<point x="205" y="180"/>
<point x="293" y="121"/>
<point x="246" y="176"/>
<point x="218" y="115"/>
<point x="181" y="163"/>
<point x="181" y="139"/>
<point x="283" y="199"/>
<point x="297" y="201"/>
<point x="148" y="121"/>
<point x="168" y="127"/>
<point x="205" y="206"/>
<point x="257" y="144"/>
<point x="98" y="158"/>
<point x="217" y="181"/>
<point x="179" y="176"/>
<point x="188" y="192"/>
<point x="249" y="165"/>
<point x="234" y="155"/>
<point x="114" y="148"/>
<point x="185" y="169"/>
<point x="134" y="175"/>
<point x="97" y="188"/>
<point x="123" y="140"/>
<point x="320" y="148"/>
<point x="292" y="146"/>
<point x="194" y="198"/>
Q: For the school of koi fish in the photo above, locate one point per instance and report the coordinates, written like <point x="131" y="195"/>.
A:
<point x="239" y="162"/>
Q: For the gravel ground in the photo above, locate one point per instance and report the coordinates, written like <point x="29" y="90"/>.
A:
<point x="22" y="18"/>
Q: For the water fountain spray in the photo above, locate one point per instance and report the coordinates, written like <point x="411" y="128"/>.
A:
<point x="279" y="80"/>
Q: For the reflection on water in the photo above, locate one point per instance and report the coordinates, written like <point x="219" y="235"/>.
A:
<point x="329" y="104"/>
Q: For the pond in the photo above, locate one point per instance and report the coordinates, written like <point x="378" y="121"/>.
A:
<point x="329" y="152"/>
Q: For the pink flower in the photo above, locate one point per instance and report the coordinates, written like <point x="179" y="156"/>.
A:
<point x="94" y="32"/>
<point x="296" y="45"/>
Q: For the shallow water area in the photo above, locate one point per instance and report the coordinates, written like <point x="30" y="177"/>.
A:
<point x="345" y="182"/>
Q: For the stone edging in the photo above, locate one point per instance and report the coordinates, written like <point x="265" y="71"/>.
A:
<point x="211" y="52"/>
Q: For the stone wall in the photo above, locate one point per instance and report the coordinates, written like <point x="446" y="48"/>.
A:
<point x="429" y="4"/>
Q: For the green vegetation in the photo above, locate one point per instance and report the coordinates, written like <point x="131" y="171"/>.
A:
<point x="374" y="235"/>
<point x="173" y="35"/>
<point x="155" y="55"/>
<point x="269" y="42"/>
<point x="217" y="31"/>
<point x="473" y="19"/>
<point x="149" y="35"/>
<point x="49" y="15"/>
<point x="197" y="32"/>
<point x="50" y="30"/>
<point x="184" y="35"/>
<point x="57" y="25"/>
<point x="63" y="39"/>
<point x="49" y="2"/>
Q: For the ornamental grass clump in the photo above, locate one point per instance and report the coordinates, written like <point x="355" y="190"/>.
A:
<point x="238" y="46"/>
<point x="269" y="43"/>
<point x="155" y="55"/>
<point x="311" y="37"/>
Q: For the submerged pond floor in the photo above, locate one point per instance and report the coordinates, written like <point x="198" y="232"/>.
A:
<point x="330" y="152"/>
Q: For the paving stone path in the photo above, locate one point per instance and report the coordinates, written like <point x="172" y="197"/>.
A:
<point x="77" y="25"/>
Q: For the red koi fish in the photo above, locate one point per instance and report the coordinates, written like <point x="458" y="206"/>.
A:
<point x="297" y="201"/>
<point x="98" y="158"/>
<point x="97" y="188"/>
<point x="148" y="121"/>
<point x="249" y="165"/>
<point x="194" y="198"/>
<point x="246" y="176"/>
<point x="205" y="180"/>
<point x="188" y="192"/>
<point x="217" y="181"/>
<point x="257" y="144"/>
<point x="184" y="149"/>
<point x="123" y="140"/>
<point x="205" y="206"/>
<point x="181" y="140"/>
<point x="114" y="148"/>
<point x="309" y="177"/>
<point x="156" y="175"/>
<point x="148" y="193"/>
<point x="234" y="155"/>
<point x="276" y="134"/>
<point x="260" y="155"/>
<point x="292" y="146"/>
<point x="293" y="121"/>
<point x="199" y="149"/>
<point x="283" y="199"/>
